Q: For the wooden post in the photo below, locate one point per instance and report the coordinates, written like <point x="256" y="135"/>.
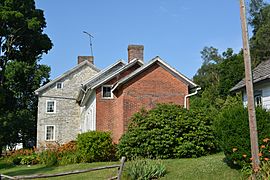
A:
<point x="250" y="93"/>
<point x="123" y="159"/>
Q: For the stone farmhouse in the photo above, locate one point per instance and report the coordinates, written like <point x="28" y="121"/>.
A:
<point x="87" y="99"/>
<point x="261" y="84"/>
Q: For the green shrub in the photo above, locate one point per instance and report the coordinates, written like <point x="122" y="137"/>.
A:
<point x="95" y="146"/>
<point x="168" y="131"/>
<point x="232" y="128"/>
<point x="60" y="154"/>
<point x="29" y="160"/>
<point x="22" y="157"/>
<point x="16" y="160"/>
<point x="69" y="158"/>
<point x="144" y="169"/>
<point x="48" y="158"/>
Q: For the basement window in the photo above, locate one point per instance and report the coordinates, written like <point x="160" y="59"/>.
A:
<point x="107" y="92"/>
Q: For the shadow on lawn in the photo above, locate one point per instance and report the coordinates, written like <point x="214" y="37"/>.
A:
<point x="30" y="171"/>
<point x="4" y="165"/>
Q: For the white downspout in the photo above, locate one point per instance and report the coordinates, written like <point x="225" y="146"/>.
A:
<point x="188" y="95"/>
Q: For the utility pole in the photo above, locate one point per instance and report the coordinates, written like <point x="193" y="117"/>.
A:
<point x="90" y="40"/>
<point x="250" y="93"/>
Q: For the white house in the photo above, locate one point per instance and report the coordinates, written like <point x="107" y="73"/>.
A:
<point x="261" y="84"/>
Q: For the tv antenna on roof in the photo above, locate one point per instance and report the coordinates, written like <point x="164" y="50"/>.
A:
<point x="90" y="40"/>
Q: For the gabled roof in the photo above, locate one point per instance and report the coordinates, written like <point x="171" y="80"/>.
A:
<point x="260" y="73"/>
<point x="98" y="81"/>
<point x="103" y="77"/>
<point x="104" y="73"/>
<point x="67" y="73"/>
<point x="99" y="76"/>
<point x="161" y="63"/>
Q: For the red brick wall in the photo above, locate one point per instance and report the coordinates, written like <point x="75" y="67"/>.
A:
<point x="109" y="112"/>
<point x="155" y="85"/>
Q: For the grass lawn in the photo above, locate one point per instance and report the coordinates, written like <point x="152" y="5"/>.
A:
<point x="208" y="167"/>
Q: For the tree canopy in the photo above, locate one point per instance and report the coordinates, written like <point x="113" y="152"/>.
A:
<point x="220" y="72"/>
<point x="22" y="43"/>
<point x="260" y="22"/>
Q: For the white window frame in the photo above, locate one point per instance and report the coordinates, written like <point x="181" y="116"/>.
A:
<point x="61" y="85"/>
<point x="258" y="96"/>
<point x="45" y="137"/>
<point x="111" y="97"/>
<point x="54" y="106"/>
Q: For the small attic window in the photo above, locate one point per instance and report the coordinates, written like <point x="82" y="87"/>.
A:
<point x="107" y="92"/>
<point x="59" y="85"/>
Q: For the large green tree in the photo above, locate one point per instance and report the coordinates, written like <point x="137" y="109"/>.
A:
<point x="22" y="43"/>
<point x="217" y="75"/>
<point x="260" y="23"/>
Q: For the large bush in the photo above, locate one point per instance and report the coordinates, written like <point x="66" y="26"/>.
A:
<point x="232" y="128"/>
<point x="168" y="131"/>
<point x="95" y="146"/>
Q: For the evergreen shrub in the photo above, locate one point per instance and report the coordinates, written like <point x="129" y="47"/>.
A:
<point x="168" y="131"/>
<point x="232" y="129"/>
<point x="95" y="146"/>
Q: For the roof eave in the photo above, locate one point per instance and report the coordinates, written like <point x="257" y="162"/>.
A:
<point x="44" y="87"/>
<point x="156" y="59"/>
<point x="115" y="73"/>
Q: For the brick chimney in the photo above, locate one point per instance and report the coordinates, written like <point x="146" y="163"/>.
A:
<point x="135" y="51"/>
<point x="86" y="58"/>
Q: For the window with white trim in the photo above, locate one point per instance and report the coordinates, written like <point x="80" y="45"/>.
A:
<point x="49" y="132"/>
<point x="59" y="85"/>
<point x="258" y="98"/>
<point x="107" y="92"/>
<point x="50" y="106"/>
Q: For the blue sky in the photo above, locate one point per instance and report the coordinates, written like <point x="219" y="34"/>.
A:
<point x="175" y="30"/>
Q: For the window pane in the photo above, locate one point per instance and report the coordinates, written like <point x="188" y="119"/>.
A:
<point x="50" y="106"/>
<point x="258" y="101"/>
<point x="49" y="132"/>
<point x="59" y="85"/>
<point x="258" y="98"/>
<point x="107" y="91"/>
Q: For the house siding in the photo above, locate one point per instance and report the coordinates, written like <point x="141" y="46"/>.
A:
<point x="88" y="110"/>
<point x="265" y="88"/>
<point x="67" y="116"/>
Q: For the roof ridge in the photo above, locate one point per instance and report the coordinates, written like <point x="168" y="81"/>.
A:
<point x="66" y="73"/>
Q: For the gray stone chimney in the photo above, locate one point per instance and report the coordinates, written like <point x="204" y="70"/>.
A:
<point x="86" y="58"/>
<point x="135" y="51"/>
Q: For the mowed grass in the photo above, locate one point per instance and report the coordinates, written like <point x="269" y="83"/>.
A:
<point x="208" y="167"/>
<point x="41" y="169"/>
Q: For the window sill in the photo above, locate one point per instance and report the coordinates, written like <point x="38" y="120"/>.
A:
<point x="107" y="98"/>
